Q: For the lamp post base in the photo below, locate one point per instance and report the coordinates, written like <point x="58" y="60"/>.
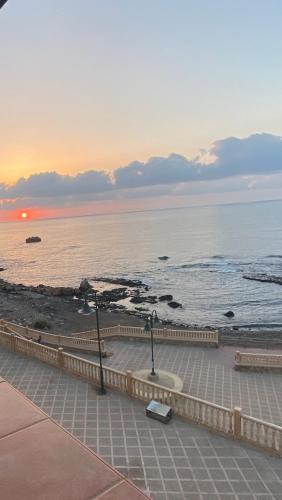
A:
<point x="101" y="391"/>
<point x="153" y="376"/>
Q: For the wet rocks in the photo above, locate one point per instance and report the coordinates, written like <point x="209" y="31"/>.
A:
<point x="63" y="292"/>
<point x="164" y="298"/>
<point x="164" y="257"/>
<point x="114" y="295"/>
<point x="174" y="305"/>
<point x="229" y="314"/>
<point x="122" y="281"/>
<point x="33" y="239"/>
<point x="85" y="286"/>
<point x="264" y="278"/>
<point x="137" y="300"/>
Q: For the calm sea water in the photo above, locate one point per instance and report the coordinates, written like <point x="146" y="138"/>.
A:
<point x="210" y="248"/>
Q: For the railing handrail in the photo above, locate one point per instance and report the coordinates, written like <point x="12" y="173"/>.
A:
<point x="262" y="422"/>
<point x="261" y="360"/>
<point x="182" y="394"/>
<point x="164" y="333"/>
<point x="53" y="339"/>
<point x="260" y="355"/>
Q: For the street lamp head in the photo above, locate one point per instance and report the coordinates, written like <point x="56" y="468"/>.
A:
<point x="147" y="327"/>
<point x="155" y="318"/>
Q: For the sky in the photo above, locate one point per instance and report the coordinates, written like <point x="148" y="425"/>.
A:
<point x="115" y="105"/>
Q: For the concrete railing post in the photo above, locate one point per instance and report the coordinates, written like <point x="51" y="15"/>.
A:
<point x="238" y="357"/>
<point x="60" y="357"/>
<point x="129" y="388"/>
<point x="13" y="342"/>
<point x="237" y="422"/>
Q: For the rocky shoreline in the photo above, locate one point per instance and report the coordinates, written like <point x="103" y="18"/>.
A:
<point x="58" y="307"/>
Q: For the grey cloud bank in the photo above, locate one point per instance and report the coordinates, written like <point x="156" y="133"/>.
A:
<point x="254" y="161"/>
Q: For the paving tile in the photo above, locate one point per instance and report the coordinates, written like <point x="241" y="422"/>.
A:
<point x="16" y="413"/>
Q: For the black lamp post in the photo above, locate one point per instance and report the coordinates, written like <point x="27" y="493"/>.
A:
<point x="151" y="320"/>
<point x="2" y="3"/>
<point x="102" y="389"/>
<point x="84" y="288"/>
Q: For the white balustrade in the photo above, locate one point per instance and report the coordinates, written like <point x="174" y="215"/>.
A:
<point x="54" y="340"/>
<point x="263" y="434"/>
<point x="195" y="336"/>
<point x="257" y="360"/>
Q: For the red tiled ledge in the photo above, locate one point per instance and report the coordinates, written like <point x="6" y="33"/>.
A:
<point x="39" y="460"/>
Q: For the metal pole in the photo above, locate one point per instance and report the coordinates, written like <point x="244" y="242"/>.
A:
<point x="102" y="387"/>
<point x="2" y="3"/>
<point x="152" y="345"/>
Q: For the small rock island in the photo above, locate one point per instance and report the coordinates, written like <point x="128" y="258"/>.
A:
<point x="33" y="239"/>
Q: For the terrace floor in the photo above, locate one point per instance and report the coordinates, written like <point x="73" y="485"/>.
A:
<point x="171" y="462"/>
<point x="208" y="374"/>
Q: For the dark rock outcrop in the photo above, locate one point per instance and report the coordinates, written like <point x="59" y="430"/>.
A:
<point x="114" y="295"/>
<point x="85" y="286"/>
<point x="122" y="282"/>
<point x="264" y="278"/>
<point x="174" y="304"/>
<point x="137" y="300"/>
<point x="33" y="239"/>
<point x="164" y="298"/>
<point x="229" y="314"/>
<point x="163" y="257"/>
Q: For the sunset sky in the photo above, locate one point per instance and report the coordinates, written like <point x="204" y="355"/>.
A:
<point x="158" y="103"/>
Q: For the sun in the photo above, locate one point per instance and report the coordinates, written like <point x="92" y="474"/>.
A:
<point x="24" y="215"/>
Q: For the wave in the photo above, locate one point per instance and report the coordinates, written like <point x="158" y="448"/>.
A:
<point x="212" y="267"/>
<point x="273" y="256"/>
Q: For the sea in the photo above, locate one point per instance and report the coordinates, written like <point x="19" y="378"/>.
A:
<point x="210" y="249"/>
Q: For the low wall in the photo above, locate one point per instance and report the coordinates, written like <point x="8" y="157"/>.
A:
<point x="254" y="360"/>
<point x="71" y="343"/>
<point x="231" y="423"/>
<point x="207" y="337"/>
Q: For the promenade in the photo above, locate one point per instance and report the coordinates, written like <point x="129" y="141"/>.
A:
<point x="208" y="374"/>
<point x="171" y="462"/>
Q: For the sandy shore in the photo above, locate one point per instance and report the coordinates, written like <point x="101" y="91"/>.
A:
<point x="62" y="314"/>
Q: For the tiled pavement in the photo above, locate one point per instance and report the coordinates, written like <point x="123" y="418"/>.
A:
<point x="172" y="462"/>
<point x="208" y="374"/>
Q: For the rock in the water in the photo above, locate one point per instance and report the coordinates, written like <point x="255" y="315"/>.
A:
<point x="85" y="286"/>
<point x="150" y="299"/>
<point x="164" y="257"/>
<point x="137" y="300"/>
<point x="114" y="295"/>
<point x="264" y="278"/>
<point x="163" y="298"/>
<point x="122" y="282"/>
<point x="229" y="314"/>
<point x="174" y="304"/>
<point x="33" y="239"/>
